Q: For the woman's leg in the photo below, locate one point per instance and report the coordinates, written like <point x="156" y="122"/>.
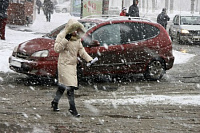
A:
<point x="56" y="99"/>
<point x="70" y="96"/>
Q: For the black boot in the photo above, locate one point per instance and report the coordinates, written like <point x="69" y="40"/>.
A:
<point x="54" y="105"/>
<point x="74" y="113"/>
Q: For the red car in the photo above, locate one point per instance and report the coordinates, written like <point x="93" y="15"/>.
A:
<point x="123" y="45"/>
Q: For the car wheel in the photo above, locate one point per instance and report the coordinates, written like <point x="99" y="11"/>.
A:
<point x="64" y="10"/>
<point x="179" y="39"/>
<point x="155" y="70"/>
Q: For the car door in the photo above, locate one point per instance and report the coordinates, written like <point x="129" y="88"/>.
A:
<point x="175" y="26"/>
<point x="109" y="51"/>
<point x="138" y="44"/>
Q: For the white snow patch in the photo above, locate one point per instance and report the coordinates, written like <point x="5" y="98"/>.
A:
<point x="181" y="57"/>
<point x="150" y="99"/>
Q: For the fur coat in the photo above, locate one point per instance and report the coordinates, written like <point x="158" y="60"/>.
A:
<point x="68" y="53"/>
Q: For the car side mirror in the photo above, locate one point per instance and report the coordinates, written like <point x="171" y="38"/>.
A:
<point x="94" y="43"/>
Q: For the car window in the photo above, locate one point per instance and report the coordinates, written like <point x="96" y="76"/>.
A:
<point x="53" y="34"/>
<point x="174" y="20"/>
<point x="177" y="20"/>
<point x="88" y="25"/>
<point x="107" y="35"/>
<point x="131" y="32"/>
<point x="190" y="20"/>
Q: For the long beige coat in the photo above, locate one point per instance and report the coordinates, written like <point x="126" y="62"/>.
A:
<point x="68" y="52"/>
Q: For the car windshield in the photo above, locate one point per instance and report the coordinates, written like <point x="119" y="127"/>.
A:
<point x="88" y="25"/>
<point x="190" y="20"/>
<point x="53" y="34"/>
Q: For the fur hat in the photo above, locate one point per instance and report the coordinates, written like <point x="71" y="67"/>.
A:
<point x="73" y="25"/>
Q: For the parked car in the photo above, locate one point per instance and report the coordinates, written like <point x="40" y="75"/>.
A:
<point x="185" y="28"/>
<point x="64" y="7"/>
<point x="123" y="45"/>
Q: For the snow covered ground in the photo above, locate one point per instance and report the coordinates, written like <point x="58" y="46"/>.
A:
<point x="148" y="100"/>
<point x="40" y="26"/>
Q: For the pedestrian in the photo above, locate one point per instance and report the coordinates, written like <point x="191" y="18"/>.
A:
<point x="39" y="5"/>
<point x="124" y="13"/>
<point x="68" y="45"/>
<point x="3" y="17"/>
<point x="162" y="18"/>
<point x="48" y="9"/>
<point x="133" y="9"/>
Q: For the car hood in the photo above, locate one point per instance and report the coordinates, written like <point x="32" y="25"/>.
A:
<point x="190" y="27"/>
<point x="37" y="44"/>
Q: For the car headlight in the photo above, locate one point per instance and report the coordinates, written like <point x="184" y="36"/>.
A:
<point x="185" y="31"/>
<point x="43" y="53"/>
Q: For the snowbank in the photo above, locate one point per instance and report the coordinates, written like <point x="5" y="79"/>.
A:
<point x="149" y="100"/>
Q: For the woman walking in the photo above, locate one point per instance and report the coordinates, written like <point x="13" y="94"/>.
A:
<point x="68" y="45"/>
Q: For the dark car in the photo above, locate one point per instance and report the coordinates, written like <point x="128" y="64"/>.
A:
<point x="185" y="28"/>
<point x="123" y="45"/>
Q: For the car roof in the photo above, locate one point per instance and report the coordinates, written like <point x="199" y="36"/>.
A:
<point x="105" y="18"/>
<point x="185" y="14"/>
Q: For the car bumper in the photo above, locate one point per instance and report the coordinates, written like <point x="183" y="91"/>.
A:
<point x="58" y="10"/>
<point x="190" y="39"/>
<point x="37" y="68"/>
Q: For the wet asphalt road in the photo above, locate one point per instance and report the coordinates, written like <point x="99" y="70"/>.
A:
<point x="26" y="108"/>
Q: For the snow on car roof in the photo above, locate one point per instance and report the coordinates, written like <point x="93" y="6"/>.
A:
<point x="104" y="18"/>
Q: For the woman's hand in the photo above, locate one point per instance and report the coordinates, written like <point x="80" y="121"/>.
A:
<point x="68" y="36"/>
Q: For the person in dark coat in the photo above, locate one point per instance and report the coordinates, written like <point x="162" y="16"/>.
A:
<point x="3" y="17"/>
<point x="39" y="5"/>
<point x="133" y="9"/>
<point x="48" y="9"/>
<point x="163" y="18"/>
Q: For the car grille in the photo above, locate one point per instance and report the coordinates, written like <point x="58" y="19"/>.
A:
<point x="21" y="55"/>
<point x="195" y="33"/>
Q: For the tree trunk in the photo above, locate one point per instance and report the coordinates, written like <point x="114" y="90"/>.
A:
<point x="166" y="4"/>
<point x="192" y="6"/>
<point x="143" y="5"/>
<point x="122" y="4"/>
<point x="156" y="4"/>
<point x="196" y="9"/>
<point x="171" y="6"/>
<point x="153" y="5"/>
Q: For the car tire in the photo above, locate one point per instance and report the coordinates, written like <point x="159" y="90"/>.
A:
<point x="155" y="70"/>
<point x="179" y="38"/>
<point x="64" y="10"/>
<point x="170" y="34"/>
